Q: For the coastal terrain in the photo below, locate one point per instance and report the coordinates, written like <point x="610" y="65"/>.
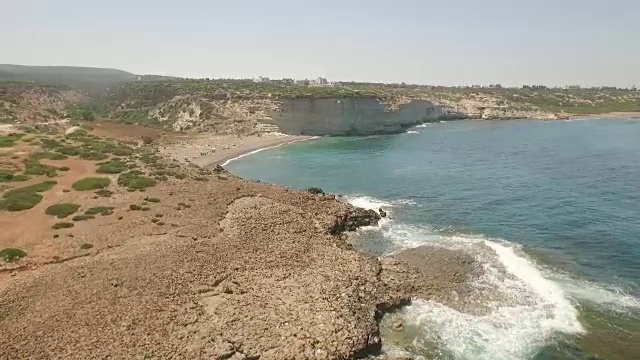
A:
<point x="121" y="236"/>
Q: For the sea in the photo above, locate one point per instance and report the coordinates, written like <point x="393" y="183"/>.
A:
<point x="549" y="209"/>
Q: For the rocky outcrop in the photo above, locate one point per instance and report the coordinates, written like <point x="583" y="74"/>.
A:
<point x="240" y="270"/>
<point x="430" y="273"/>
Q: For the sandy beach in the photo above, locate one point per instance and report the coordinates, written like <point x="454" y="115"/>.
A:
<point x="209" y="150"/>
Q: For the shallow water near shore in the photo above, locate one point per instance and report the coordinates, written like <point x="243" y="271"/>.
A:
<point x="550" y="209"/>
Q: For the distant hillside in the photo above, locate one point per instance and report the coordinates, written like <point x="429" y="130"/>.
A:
<point x="85" y="78"/>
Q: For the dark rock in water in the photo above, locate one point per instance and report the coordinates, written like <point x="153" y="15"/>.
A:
<point x="315" y="191"/>
<point x="357" y="218"/>
<point x="382" y="213"/>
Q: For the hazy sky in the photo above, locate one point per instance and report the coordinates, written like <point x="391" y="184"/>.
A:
<point x="555" y="42"/>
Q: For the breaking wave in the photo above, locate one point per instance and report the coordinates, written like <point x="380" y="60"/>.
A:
<point x="524" y="305"/>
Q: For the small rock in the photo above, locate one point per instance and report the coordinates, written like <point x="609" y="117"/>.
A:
<point x="398" y="326"/>
<point x="382" y="213"/>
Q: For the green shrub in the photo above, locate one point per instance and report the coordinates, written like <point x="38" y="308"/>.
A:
<point x="82" y="217"/>
<point x="10" y="254"/>
<point x="144" y="208"/>
<point x="62" y="210"/>
<point x="48" y="155"/>
<point x="23" y="201"/>
<point x="112" y="167"/>
<point x="104" y="193"/>
<point x="122" y="151"/>
<point x="34" y="167"/>
<point x="201" y="178"/>
<point x="24" y="198"/>
<point x="64" y="168"/>
<point x="102" y="210"/>
<point x="86" y="246"/>
<point x="10" y="176"/>
<point x="9" y="140"/>
<point x="62" y="225"/>
<point x="93" y="155"/>
<point x="91" y="183"/>
<point x="71" y="151"/>
<point x="133" y="180"/>
<point x="135" y="207"/>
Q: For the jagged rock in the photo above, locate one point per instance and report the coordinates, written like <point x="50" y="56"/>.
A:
<point x="382" y="213"/>
<point x="315" y="191"/>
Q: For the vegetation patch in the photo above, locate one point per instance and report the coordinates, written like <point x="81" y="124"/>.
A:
<point x="201" y="178"/>
<point x="86" y="246"/>
<point x="133" y="180"/>
<point x="62" y="210"/>
<point x="62" y="225"/>
<point x="91" y="183"/>
<point x="10" y="176"/>
<point x="24" y="198"/>
<point x="93" y="155"/>
<point x="64" y="168"/>
<point x="82" y="217"/>
<point x="104" y="193"/>
<point x="135" y="207"/>
<point x="48" y="155"/>
<point x="152" y="199"/>
<point x="112" y="167"/>
<point x="102" y="210"/>
<point x="34" y="167"/>
<point x="11" y="254"/>
<point x="9" y="140"/>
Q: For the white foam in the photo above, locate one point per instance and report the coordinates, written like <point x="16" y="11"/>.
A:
<point x="425" y="125"/>
<point x="413" y="132"/>
<point x="607" y="297"/>
<point x="524" y="308"/>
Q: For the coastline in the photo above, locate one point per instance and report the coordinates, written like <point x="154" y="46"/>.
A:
<point x="208" y="150"/>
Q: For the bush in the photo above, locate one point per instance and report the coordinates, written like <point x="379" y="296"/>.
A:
<point x="62" y="210"/>
<point x="133" y="180"/>
<point x="201" y="178"/>
<point x="62" y="225"/>
<point x="93" y="155"/>
<point x="34" y="167"/>
<point x="10" y="254"/>
<point x="82" y="217"/>
<point x="104" y="193"/>
<point x="91" y="183"/>
<point x="147" y="140"/>
<point x="112" y="167"/>
<point x="24" y="198"/>
<point x="64" y="168"/>
<point x="102" y="210"/>
<point x="135" y="207"/>
<point x="48" y="155"/>
<point x="86" y="246"/>
<point x="10" y="176"/>
<point x="152" y="199"/>
<point x="9" y="140"/>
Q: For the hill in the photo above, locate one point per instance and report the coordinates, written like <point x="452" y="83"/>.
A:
<point x="85" y="78"/>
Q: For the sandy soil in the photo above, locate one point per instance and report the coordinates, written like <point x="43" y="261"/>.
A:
<point x="207" y="149"/>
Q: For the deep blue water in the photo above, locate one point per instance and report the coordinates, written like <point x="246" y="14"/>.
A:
<point x="556" y="203"/>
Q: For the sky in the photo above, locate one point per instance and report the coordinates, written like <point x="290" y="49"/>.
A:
<point x="445" y="42"/>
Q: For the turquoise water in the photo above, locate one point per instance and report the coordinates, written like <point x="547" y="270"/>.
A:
<point x="551" y="209"/>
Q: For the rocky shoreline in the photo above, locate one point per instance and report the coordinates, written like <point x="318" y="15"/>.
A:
<point x="244" y="270"/>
